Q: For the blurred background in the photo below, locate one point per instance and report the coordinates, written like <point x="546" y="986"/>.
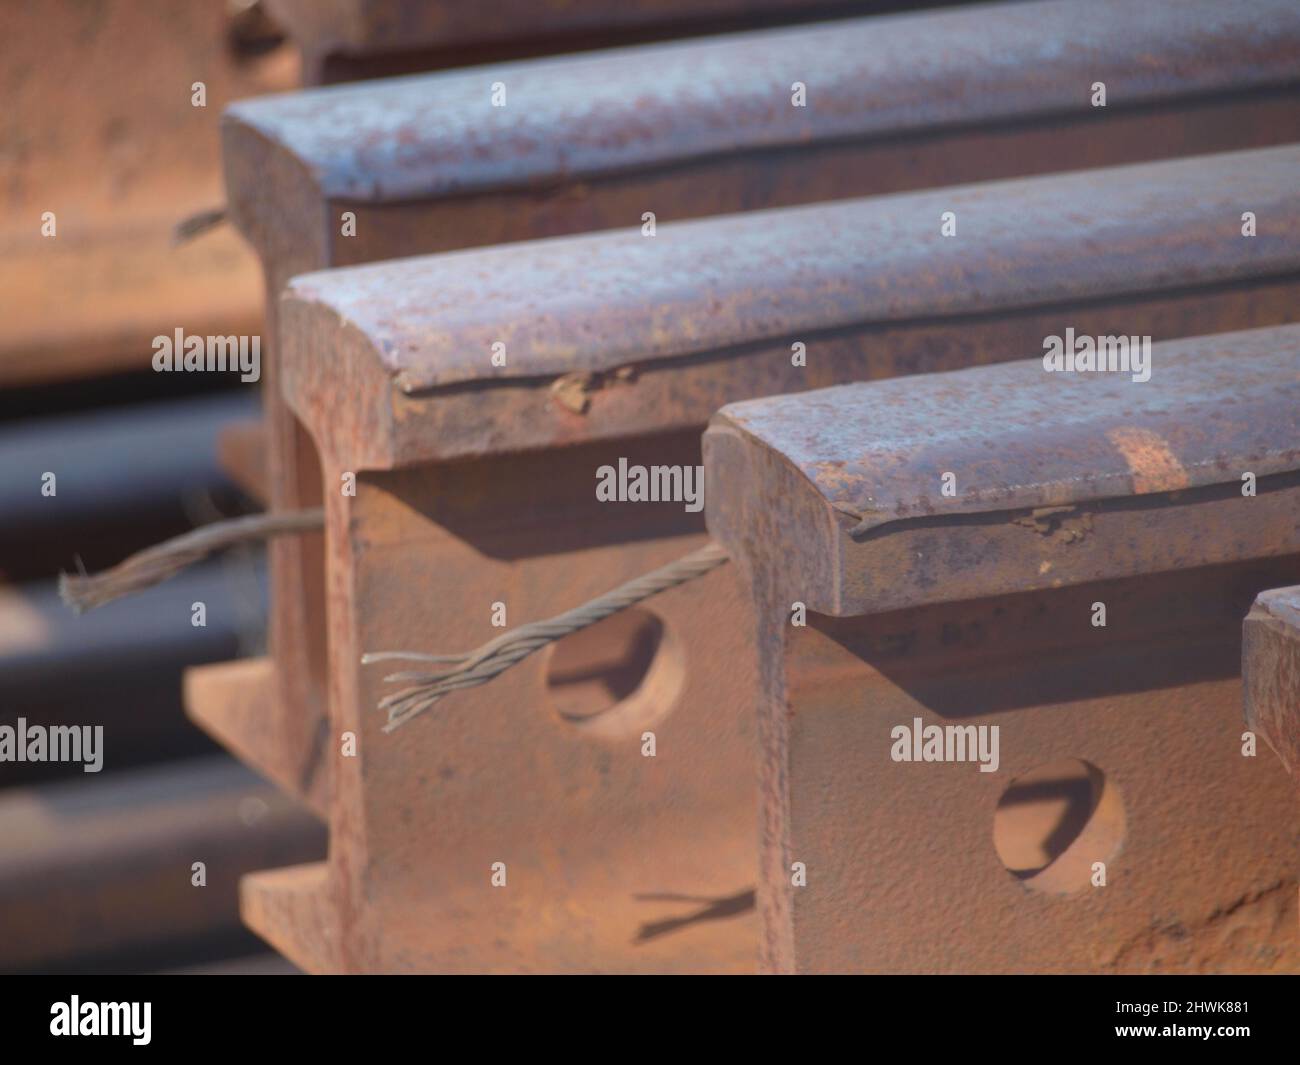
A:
<point x="100" y="130"/>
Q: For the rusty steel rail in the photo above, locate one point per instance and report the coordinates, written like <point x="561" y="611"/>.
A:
<point x="352" y="39"/>
<point x="593" y="306"/>
<point x="654" y="335"/>
<point x="475" y="487"/>
<point x="977" y="608"/>
<point x="112" y="475"/>
<point x="357" y="27"/>
<point x="685" y="130"/>
<point x="121" y="667"/>
<point x="1270" y="670"/>
<point x="574" y="119"/>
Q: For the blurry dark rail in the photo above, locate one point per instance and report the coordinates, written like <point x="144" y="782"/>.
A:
<point x="99" y="868"/>
<point x="124" y="478"/>
<point x="121" y="666"/>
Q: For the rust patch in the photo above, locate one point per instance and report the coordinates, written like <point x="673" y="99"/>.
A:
<point x="1066" y="524"/>
<point x="1153" y="465"/>
<point x="573" y="390"/>
<point x="1250" y="934"/>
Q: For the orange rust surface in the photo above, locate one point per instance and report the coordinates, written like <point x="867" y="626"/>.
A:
<point x="1154" y="466"/>
<point x="234" y="702"/>
<point x="976" y="618"/>
<point x="616" y="862"/>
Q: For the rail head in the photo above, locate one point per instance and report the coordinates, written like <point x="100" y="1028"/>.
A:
<point x="668" y="328"/>
<point x="1010" y="477"/>
<point x="630" y="110"/>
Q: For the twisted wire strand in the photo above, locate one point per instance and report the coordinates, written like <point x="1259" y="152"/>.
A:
<point x="156" y="564"/>
<point x="498" y="655"/>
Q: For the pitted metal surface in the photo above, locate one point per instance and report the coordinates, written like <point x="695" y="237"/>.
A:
<point x="440" y="135"/>
<point x="1017" y="436"/>
<point x="599" y="301"/>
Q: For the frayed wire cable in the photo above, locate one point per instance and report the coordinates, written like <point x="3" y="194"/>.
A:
<point x="156" y="564"/>
<point x="495" y="657"/>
